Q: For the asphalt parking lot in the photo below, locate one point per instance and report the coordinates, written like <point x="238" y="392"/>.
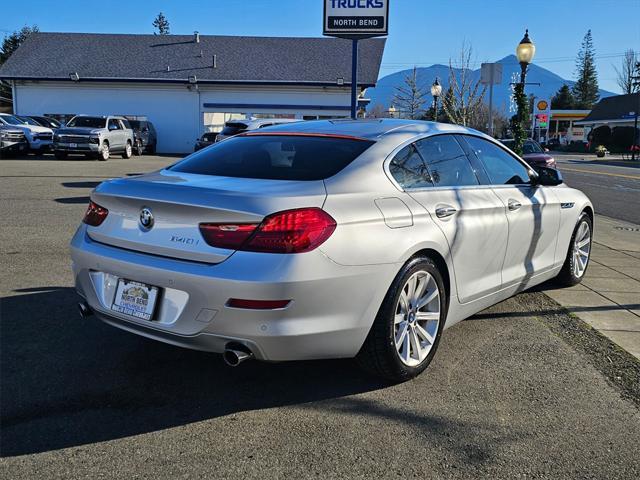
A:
<point x="520" y="390"/>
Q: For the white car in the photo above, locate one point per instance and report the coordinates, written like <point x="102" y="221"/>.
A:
<point x="327" y="239"/>
<point x="40" y="138"/>
<point x="235" y="127"/>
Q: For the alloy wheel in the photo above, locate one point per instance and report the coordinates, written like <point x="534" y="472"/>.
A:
<point x="417" y="317"/>
<point x="581" y="249"/>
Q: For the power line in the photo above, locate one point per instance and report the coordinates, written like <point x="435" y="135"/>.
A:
<point x="478" y="63"/>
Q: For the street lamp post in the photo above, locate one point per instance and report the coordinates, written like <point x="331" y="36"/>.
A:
<point x="436" y="91"/>
<point x="525" y="52"/>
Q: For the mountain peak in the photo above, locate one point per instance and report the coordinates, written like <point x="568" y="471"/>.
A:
<point x="543" y="83"/>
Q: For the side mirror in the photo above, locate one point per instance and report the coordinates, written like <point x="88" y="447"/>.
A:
<point x="145" y="129"/>
<point x="547" y="176"/>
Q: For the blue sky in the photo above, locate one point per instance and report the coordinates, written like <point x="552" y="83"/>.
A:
<point x="421" y="32"/>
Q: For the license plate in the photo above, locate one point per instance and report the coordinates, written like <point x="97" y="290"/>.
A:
<point x="73" y="145"/>
<point x="135" y="299"/>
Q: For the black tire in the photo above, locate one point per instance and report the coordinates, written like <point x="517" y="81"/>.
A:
<point x="104" y="154"/>
<point x="567" y="276"/>
<point x="60" y="155"/>
<point x="128" y="150"/>
<point x="138" y="148"/>
<point x="378" y="354"/>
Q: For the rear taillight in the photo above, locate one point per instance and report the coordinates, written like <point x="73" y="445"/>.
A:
<point x="95" y="214"/>
<point x="291" y="231"/>
<point x="225" y="235"/>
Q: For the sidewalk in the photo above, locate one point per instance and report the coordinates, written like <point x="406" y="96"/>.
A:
<point x="608" y="298"/>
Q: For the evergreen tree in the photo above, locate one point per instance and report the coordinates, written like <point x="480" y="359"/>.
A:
<point x="11" y="42"/>
<point x="585" y="89"/>
<point x="410" y="97"/>
<point x="563" y="99"/>
<point x="161" y="24"/>
<point x="9" y="45"/>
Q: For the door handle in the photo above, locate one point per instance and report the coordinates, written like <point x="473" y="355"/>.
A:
<point x="444" y="212"/>
<point x="514" y="205"/>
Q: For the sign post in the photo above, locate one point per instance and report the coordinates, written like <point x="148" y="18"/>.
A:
<point x="355" y="19"/>
<point x="491" y="74"/>
<point x="542" y="116"/>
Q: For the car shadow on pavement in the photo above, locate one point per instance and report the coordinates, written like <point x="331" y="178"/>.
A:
<point x="73" y="200"/>
<point x="68" y="382"/>
<point x="80" y="184"/>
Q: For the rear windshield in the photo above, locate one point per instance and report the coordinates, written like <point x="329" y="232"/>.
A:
<point x="91" y="122"/>
<point x="275" y="157"/>
<point x="233" y="128"/>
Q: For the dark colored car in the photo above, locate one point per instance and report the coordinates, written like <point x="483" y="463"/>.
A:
<point x="49" y="122"/>
<point x="207" y="139"/>
<point x="533" y="153"/>
<point x="145" y="136"/>
<point x="12" y="141"/>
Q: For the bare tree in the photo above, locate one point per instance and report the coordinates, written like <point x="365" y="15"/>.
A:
<point x="410" y="97"/>
<point x="627" y="71"/>
<point x="465" y="99"/>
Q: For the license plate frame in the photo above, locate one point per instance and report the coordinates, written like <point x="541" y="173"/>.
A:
<point x="135" y="299"/>
<point x="73" y="145"/>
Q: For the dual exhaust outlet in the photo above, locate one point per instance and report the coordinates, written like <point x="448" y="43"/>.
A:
<point x="234" y="353"/>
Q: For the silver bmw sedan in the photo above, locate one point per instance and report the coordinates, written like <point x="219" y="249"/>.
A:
<point x="327" y="239"/>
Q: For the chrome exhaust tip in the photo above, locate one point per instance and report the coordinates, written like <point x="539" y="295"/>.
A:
<point x="84" y="309"/>
<point x="236" y="355"/>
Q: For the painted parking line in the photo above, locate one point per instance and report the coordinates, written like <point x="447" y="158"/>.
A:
<point x="594" y="172"/>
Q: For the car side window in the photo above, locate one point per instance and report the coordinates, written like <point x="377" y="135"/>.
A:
<point x="447" y="162"/>
<point x="409" y="170"/>
<point x="501" y="167"/>
<point x="113" y="124"/>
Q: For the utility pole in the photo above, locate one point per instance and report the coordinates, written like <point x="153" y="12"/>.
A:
<point x="354" y="78"/>
<point x="636" y="141"/>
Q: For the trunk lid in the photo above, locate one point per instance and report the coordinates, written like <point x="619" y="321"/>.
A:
<point x="179" y="202"/>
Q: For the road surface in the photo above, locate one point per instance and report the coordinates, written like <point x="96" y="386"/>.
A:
<point x="614" y="190"/>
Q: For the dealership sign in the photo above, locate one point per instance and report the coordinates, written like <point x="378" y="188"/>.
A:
<point x="356" y="18"/>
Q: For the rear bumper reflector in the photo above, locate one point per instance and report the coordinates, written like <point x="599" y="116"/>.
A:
<point x="257" y="304"/>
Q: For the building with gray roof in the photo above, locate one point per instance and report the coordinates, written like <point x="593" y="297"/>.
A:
<point x="186" y="84"/>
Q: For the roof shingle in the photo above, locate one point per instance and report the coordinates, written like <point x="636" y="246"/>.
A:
<point x="614" y="108"/>
<point x="173" y="58"/>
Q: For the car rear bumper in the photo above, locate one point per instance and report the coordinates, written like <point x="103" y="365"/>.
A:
<point x="331" y="310"/>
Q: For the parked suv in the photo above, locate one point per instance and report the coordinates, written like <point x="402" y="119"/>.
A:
<point x="94" y="136"/>
<point x="144" y="136"/>
<point x="48" y="122"/>
<point x="12" y="140"/>
<point x="236" y="127"/>
<point x="39" y="137"/>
